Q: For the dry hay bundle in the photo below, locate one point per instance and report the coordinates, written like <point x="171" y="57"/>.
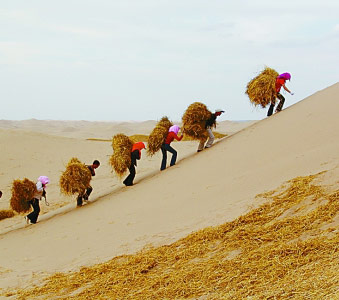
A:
<point x="6" y="213"/>
<point x="158" y="135"/>
<point x="261" y="89"/>
<point x="22" y="192"/>
<point x="76" y="178"/>
<point x="121" y="158"/>
<point x="194" y="120"/>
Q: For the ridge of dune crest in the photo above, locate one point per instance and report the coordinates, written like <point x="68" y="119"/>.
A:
<point x="204" y="189"/>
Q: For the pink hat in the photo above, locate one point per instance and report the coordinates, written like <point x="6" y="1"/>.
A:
<point x="174" y="128"/>
<point x="43" y="179"/>
<point x="286" y="76"/>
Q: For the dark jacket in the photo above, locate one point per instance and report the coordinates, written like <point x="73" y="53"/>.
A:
<point x="211" y="122"/>
<point x="91" y="169"/>
<point x="134" y="156"/>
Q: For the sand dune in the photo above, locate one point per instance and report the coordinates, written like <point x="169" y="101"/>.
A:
<point x="102" y="130"/>
<point x="203" y="189"/>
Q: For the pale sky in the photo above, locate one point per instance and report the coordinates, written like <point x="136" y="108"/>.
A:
<point x="116" y="60"/>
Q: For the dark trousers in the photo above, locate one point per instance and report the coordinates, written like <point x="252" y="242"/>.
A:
<point x="279" y="107"/>
<point x="33" y="216"/>
<point x="164" y="149"/>
<point x="84" y="196"/>
<point x="129" y="179"/>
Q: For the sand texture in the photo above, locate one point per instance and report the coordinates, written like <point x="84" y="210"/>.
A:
<point x="203" y="189"/>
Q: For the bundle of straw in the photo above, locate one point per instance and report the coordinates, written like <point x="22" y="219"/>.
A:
<point x="22" y="192"/>
<point x="121" y="158"/>
<point x="261" y="89"/>
<point x="76" y="178"/>
<point x="158" y="136"/>
<point x="194" y="121"/>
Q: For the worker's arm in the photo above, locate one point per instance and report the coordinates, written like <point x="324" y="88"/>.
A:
<point x="286" y="89"/>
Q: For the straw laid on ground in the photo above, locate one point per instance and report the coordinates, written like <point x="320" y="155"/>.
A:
<point x="76" y="178"/>
<point x="216" y="134"/>
<point x="261" y="89"/>
<point x="22" y="192"/>
<point x="194" y="121"/>
<point x="6" y="213"/>
<point x="158" y="136"/>
<point x="121" y="158"/>
<point x="288" y="248"/>
<point x="138" y="138"/>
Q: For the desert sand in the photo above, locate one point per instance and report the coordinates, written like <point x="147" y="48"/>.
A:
<point x="102" y="130"/>
<point x="202" y="189"/>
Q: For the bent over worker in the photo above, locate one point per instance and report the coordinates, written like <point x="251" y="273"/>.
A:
<point x="210" y="123"/>
<point x="166" y="146"/>
<point x="280" y="83"/>
<point x="40" y="192"/>
<point x="89" y="190"/>
<point x="135" y="155"/>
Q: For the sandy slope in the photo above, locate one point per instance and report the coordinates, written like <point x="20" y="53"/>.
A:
<point x="208" y="188"/>
<point x="29" y="154"/>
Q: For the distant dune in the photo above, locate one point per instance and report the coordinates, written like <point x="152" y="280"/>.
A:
<point x="103" y="130"/>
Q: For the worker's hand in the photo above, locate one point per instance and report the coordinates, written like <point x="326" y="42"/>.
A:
<point x="292" y="93"/>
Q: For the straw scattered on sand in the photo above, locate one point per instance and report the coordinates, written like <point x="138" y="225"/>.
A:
<point x="6" y="213"/>
<point x="216" y="134"/>
<point x="281" y="250"/>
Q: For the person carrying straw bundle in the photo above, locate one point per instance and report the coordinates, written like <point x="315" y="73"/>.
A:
<point x="210" y="123"/>
<point x="158" y="136"/>
<point x="75" y="180"/>
<point x="120" y="160"/>
<point x="134" y="155"/>
<point x="265" y="88"/>
<point x="22" y="192"/>
<point x="166" y="146"/>
<point x="194" y="121"/>
<point x="40" y="192"/>
<point x="89" y="189"/>
<point x="279" y="83"/>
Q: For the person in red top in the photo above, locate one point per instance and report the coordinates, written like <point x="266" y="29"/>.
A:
<point x="166" y="146"/>
<point x="279" y="83"/>
<point x="135" y="155"/>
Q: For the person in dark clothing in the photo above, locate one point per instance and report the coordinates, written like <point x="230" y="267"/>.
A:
<point x="279" y="83"/>
<point x="211" y="122"/>
<point x="0" y="194"/>
<point x="135" y="155"/>
<point x="172" y="134"/>
<point x="40" y="192"/>
<point x="89" y="190"/>
<point x="33" y="216"/>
